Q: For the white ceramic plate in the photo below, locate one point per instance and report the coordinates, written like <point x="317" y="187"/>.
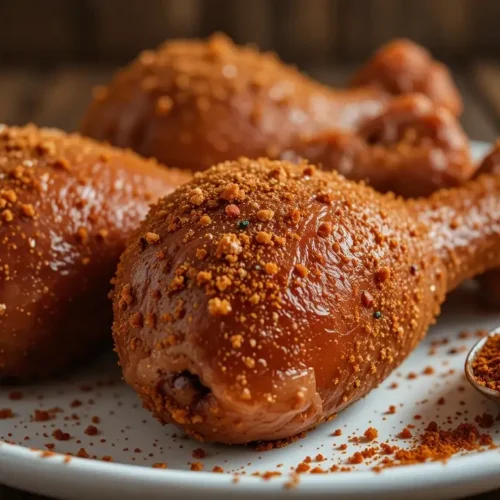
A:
<point x="135" y="441"/>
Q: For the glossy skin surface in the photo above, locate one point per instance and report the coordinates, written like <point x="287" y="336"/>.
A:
<point x="402" y="67"/>
<point x="67" y="205"/>
<point x="412" y="148"/>
<point x="490" y="282"/>
<point x="195" y="103"/>
<point x="243" y="332"/>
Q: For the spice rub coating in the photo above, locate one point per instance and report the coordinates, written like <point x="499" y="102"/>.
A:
<point x="195" y="103"/>
<point x="490" y="282"/>
<point x="67" y="205"/>
<point x="262" y="297"/>
<point x="412" y="148"/>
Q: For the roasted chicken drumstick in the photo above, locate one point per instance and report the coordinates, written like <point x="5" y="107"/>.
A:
<point x="263" y="296"/>
<point x="195" y="103"/>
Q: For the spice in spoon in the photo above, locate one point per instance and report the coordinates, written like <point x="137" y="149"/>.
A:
<point x="486" y="365"/>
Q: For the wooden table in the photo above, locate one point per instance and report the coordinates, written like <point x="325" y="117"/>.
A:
<point x="57" y="97"/>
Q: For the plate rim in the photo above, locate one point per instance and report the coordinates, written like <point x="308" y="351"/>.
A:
<point x="460" y="470"/>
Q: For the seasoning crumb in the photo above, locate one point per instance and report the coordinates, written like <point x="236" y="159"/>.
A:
<point x="371" y="434"/>
<point x="151" y="238"/>
<point x="60" y="435"/>
<point x="92" y="430"/>
<point x="486" y="364"/>
<point x="405" y="434"/>
<point x="159" y="465"/>
<point x="199" y="453"/>
<point x="6" y="413"/>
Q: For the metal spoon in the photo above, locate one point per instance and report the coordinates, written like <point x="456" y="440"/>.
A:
<point x="489" y="393"/>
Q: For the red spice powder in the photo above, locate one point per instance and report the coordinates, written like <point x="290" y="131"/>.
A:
<point x="199" y="453"/>
<point x="82" y="453"/>
<point x="60" y="435"/>
<point x="486" y="365"/>
<point x="371" y="434"/>
<point x="357" y="458"/>
<point x="405" y="434"/>
<point x="437" y="444"/>
<point x="15" y="395"/>
<point x="41" y="416"/>
<point x="318" y="470"/>
<point x="160" y="465"/>
<point x="302" y="467"/>
<point x="6" y="413"/>
<point x="486" y="420"/>
<point x="92" y="430"/>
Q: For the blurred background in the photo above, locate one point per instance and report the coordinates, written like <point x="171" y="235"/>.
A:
<point x="53" y="51"/>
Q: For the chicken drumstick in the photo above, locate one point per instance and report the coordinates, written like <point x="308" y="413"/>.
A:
<point x="262" y="297"/>
<point x="191" y="104"/>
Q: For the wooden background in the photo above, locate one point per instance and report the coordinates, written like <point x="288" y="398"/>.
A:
<point x="304" y="31"/>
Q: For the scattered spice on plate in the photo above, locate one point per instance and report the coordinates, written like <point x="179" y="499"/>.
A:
<point x="6" y="413"/>
<point x="486" y="364"/>
<point x="82" y="453"/>
<point x="15" y="395"/>
<point x="91" y="430"/>
<point x="391" y="410"/>
<point x="371" y="434"/>
<point x="160" y="465"/>
<point x="45" y="415"/>
<point x="486" y="420"/>
<point x="302" y="467"/>
<point x="436" y="444"/>
<point x="405" y="434"/>
<point x="60" y="435"/>
<point x="199" y="453"/>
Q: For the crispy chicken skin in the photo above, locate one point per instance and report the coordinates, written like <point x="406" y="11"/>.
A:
<point x="67" y="206"/>
<point x="490" y="282"/>
<point x="263" y="296"/>
<point x="195" y="103"/>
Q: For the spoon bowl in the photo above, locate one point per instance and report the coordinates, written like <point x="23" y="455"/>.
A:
<point x="469" y="373"/>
